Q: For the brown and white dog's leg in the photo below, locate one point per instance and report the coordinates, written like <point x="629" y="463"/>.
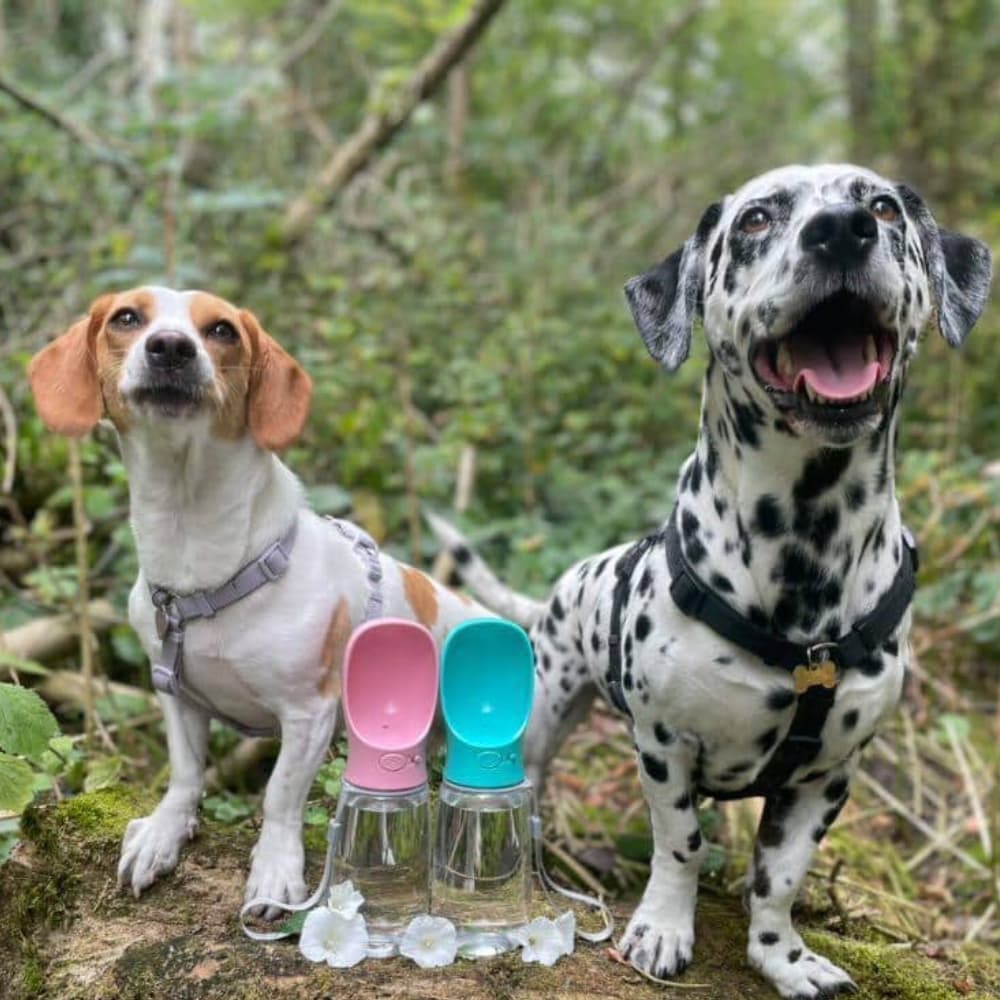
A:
<point x="151" y="845"/>
<point x="278" y="857"/>
<point x="795" y="820"/>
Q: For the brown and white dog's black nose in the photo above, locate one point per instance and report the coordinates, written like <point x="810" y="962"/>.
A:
<point x="840" y="235"/>
<point x="168" y="350"/>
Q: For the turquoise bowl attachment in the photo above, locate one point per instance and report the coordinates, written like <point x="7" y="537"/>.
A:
<point x="487" y="683"/>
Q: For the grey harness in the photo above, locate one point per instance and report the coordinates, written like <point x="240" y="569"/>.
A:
<point x="174" y="611"/>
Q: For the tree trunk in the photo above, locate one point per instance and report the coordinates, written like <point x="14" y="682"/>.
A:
<point x="860" y="69"/>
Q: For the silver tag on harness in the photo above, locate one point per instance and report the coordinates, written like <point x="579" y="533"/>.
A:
<point x="162" y="623"/>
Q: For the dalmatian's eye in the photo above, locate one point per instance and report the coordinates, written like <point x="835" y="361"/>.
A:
<point x="126" y="319"/>
<point x="222" y="330"/>
<point x="885" y="209"/>
<point x="754" y="220"/>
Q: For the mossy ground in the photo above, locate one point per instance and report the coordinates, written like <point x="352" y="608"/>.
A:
<point x="71" y="934"/>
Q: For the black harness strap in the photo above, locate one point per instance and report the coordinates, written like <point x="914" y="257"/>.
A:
<point x="624" y="569"/>
<point x="802" y="743"/>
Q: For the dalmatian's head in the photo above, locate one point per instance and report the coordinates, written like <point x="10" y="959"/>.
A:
<point x="814" y="283"/>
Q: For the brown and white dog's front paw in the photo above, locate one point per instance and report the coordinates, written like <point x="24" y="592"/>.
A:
<point x="151" y="847"/>
<point x="276" y="873"/>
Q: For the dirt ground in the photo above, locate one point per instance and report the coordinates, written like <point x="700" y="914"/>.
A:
<point x="69" y="933"/>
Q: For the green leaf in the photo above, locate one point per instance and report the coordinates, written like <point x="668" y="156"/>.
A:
<point x="957" y="725"/>
<point x="635" y="846"/>
<point x="26" y="724"/>
<point x="293" y="925"/>
<point x="13" y="662"/>
<point x="16" y="783"/>
<point x="102" y="773"/>
<point x="328" y="498"/>
<point x="227" y="808"/>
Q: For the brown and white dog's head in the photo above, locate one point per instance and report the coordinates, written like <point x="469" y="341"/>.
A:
<point x="153" y="354"/>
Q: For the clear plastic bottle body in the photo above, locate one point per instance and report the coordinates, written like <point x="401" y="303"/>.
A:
<point x="384" y="849"/>
<point x="482" y="864"/>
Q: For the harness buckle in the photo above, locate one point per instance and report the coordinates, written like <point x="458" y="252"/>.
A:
<point x="167" y="620"/>
<point x="819" y="670"/>
<point x="273" y="564"/>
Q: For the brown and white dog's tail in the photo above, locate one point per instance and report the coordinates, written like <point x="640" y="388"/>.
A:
<point x="481" y="580"/>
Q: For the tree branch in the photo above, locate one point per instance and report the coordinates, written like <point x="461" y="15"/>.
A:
<point x="379" y="127"/>
<point x="97" y="146"/>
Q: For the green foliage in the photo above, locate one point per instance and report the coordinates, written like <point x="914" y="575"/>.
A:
<point x="27" y="730"/>
<point x="465" y="291"/>
<point x="26" y="724"/>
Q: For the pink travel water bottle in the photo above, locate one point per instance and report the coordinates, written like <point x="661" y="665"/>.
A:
<point x="390" y="688"/>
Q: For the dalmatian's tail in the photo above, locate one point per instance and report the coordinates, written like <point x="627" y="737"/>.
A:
<point x="481" y="580"/>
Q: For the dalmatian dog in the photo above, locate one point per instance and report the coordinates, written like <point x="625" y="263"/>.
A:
<point x="813" y="284"/>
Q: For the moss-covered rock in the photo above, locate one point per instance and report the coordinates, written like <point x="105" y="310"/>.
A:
<point x="73" y="936"/>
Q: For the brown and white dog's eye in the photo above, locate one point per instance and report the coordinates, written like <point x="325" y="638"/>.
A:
<point x="222" y="330"/>
<point x="885" y="209"/>
<point x="754" y="220"/>
<point x="126" y="319"/>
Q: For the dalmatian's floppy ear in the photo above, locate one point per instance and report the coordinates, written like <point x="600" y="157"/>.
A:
<point x="958" y="269"/>
<point x="667" y="298"/>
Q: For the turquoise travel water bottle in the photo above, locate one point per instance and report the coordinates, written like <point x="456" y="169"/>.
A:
<point x="481" y="877"/>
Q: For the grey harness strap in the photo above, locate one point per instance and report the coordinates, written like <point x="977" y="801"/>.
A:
<point x="174" y="611"/>
<point x="367" y="552"/>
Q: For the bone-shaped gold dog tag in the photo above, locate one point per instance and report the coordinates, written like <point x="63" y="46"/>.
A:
<point x="813" y="674"/>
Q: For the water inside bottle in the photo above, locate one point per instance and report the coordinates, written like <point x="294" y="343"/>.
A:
<point x="482" y="870"/>
<point x="384" y="851"/>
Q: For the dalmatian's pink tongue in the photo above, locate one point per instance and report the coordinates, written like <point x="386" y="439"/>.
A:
<point x="833" y="367"/>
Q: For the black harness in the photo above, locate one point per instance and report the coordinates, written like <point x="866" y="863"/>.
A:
<point x="815" y="667"/>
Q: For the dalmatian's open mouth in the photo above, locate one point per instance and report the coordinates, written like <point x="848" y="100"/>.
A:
<point x="834" y="364"/>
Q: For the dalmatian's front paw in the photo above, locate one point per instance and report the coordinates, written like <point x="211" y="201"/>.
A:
<point x="276" y="873"/>
<point x="151" y="847"/>
<point x="795" y="971"/>
<point x="658" y="944"/>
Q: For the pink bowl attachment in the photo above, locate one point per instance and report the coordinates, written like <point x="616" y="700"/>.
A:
<point x="390" y="690"/>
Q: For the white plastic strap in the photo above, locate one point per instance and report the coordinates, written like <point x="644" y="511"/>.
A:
<point x="332" y="842"/>
<point x="551" y="887"/>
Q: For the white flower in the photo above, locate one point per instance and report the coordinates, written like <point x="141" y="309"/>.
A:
<point x="345" y="899"/>
<point x="328" y="937"/>
<point x="542" y="940"/>
<point x="567" y="928"/>
<point x="430" y="941"/>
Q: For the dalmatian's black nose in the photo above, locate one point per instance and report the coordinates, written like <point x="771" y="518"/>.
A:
<point x="168" y="350"/>
<point x="841" y="235"/>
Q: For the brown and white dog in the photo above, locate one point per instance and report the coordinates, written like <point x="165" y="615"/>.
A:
<point x="201" y="398"/>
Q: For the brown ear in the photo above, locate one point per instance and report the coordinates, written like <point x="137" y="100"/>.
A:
<point x="280" y="391"/>
<point x="63" y="376"/>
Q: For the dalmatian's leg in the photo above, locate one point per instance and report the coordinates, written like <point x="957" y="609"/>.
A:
<point x="564" y="688"/>
<point x="660" y="936"/>
<point x="794" y="821"/>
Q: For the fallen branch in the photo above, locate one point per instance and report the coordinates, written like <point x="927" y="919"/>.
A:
<point x="67" y="687"/>
<point x="379" y="127"/>
<point x="45" y="639"/>
<point x="10" y="442"/>
<point x="240" y="761"/>
<point x="444" y="564"/>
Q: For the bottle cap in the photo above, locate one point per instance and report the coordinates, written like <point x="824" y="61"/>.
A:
<point x="390" y="688"/>
<point x="487" y="681"/>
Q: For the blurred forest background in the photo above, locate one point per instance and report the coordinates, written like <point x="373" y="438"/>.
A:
<point x="443" y="245"/>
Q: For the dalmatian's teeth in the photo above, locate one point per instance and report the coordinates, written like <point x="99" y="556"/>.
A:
<point x="786" y="367"/>
<point x="871" y="351"/>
